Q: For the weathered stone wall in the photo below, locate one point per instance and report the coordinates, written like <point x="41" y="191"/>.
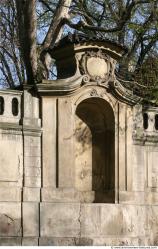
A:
<point x="42" y="198"/>
<point x="98" y="224"/>
<point x="20" y="164"/>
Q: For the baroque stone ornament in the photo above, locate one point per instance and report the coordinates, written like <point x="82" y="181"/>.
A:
<point x="94" y="93"/>
<point x="95" y="66"/>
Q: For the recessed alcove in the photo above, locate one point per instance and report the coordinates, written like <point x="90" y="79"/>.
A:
<point x="145" y="120"/>
<point x="95" y="149"/>
<point x="15" y="107"/>
<point x="1" y="105"/>
<point x="156" y="122"/>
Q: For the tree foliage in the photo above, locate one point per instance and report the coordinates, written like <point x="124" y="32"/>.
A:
<point x="29" y="27"/>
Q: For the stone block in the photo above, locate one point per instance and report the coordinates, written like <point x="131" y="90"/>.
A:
<point x="31" y="123"/>
<point x="32" y="171"/>
<point x="152" y="158"/>
<point x="103" y="220"/>
<point x="135" y="197"/>
<point x="138" y="168"/>
<point x="59" y="195"/>
<point x="152" y="222"/>
<point x="31" y="194"/>
<point x="90" y="220"/>
<point x="122" y="220"/>
<point x="32" y="181"/>
<point x="66" y="195"/>
<point x="10" y="194"/>
<point x="152" y="198"/>
<point x="57" y="241"/>
<point x="111" y="241"/>
<point x="33" y="161"/>
<point x="83" y="241"/>
<point x="31" y="103"/>
<point x="34" y="141"/>
<point x="30" y="219"/>
<point x="60" y="219"/>
<point x="32" y="150"/>
<point x="10" y="241"/>
<point x="11" y="160"/>
<point x="10" y="219"/>
<point x="111" y="220"/>
<point x="65" y="241"/>
<point x="29" y="241"/>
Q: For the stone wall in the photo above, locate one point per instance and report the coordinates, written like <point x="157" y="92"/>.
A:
<point x="47" y="197"/>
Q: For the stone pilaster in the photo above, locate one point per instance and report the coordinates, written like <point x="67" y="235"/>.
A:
<point x="32" y="167"/>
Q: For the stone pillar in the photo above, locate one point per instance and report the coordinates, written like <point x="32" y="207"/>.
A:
<point x="32" y="146"/>
<point x="32" y="167"/>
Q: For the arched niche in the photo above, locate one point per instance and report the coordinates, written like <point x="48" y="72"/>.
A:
<point x="95" y="149"/>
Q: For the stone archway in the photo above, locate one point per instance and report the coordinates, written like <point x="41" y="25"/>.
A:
<point x="95" y="149"/>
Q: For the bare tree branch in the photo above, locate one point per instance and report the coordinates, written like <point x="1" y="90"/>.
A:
<point x="57" y="22"/>
<point x="46" y="5"/>
<point x="8" y="71"/>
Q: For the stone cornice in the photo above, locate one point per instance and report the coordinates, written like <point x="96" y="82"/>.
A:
<point x="9" y="128"/>
<point x="146" y="139"/>
<point x="123" y="94"/>
<point x="59" y="87"/>
<point x="11" y="92"/>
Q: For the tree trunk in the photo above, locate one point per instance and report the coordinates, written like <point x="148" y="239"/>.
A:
<point x="27" y="25"/>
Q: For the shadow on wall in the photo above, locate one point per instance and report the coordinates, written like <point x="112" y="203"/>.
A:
<point x="95" y="149"/>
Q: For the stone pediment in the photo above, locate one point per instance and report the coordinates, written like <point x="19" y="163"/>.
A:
<point x="95" y="58"/>
<point x="81" y="61"/>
